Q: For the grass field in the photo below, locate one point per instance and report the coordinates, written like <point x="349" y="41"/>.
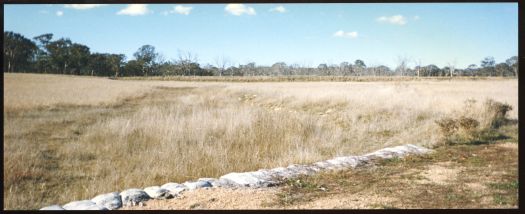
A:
<point x="70" y="138"/>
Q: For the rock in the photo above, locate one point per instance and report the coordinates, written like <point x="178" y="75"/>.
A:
<point x="132" y="197"/>
<point x="110" y="201"/>
<point x="324" y="165"/>
<point x="264" y="177"/>
<point x="241" y="179"/>
<point x="351" y="161"/>
<point x="83" y="205"/>
<point x="213" y="181"/>
<point x="197" y="184"/>
<point x="174" y="188"/>
<point x="281" y="172"/>
<point x="53" y="207"/>
<point x="250" y="179"/>
<point x="299" y="170"/>
<point x="158" y="193"/>
<point x="398" y="151"/>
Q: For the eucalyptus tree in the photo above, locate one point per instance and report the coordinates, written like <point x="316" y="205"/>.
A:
<point x="487" y="65"/>
<point x="19" y="52"/>
<point x="513" y="63"/>
<point x="43" y="60"/>
<point x="359" y="67"/>
<point x="146" y="57"/>
<point x="60" y="53"/>
<point x="503" y="69"/>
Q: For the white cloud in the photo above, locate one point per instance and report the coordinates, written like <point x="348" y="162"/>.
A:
<point x="278" y="9"/>
<point x="416" y="17"/>
<point x="239" y="9"/>
<point x="183" y="10"/>
<point x="179" y="9"/>
<point x="396" y="20"/>
<point x="59" y="13"/>
<point x="343" y="34"/>
<point x="134" y="10"/>
<point x="83" y="6"/>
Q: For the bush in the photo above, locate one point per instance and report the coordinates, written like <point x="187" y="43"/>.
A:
<point x="495" y="113"/>
<point x="462" y="130"/>
<point x="467" y="129"/>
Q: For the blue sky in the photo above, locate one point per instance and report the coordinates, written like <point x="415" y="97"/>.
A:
<point x="307" y="34"/>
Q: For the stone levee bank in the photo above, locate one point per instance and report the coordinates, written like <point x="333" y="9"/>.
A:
<point x="255" y="179"/>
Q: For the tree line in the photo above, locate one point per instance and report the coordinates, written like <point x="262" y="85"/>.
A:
<point x="42" y="54"/>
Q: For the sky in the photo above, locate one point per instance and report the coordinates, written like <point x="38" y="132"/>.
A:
<point x="459" y="34"/>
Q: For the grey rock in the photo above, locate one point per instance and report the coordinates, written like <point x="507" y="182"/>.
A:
<point x="158" y="193"/>
<point x="131" y="197"/>
<point x="110" y="200"/>
<point x="197" y="184"/>
<point x="213" y="181"/>
<point x="83" y="205"/>
<point x="53" y="207"/>
<point x="174" y="188"/>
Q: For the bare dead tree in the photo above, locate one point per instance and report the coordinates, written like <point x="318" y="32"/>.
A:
<point x="452" y="67"/>
<point x="222" y="63"/>
<point x="402" y="62"/>
<point x="418" y="66"/>
<point x="186" y="58"/>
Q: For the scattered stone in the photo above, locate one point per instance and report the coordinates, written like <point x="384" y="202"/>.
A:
<point x="132" y="197"/>
<point x="197" y="184"/>
<point x="83" y="205"/>
<point x="53" y="207"/>
<point x="157" y="192"/>
<point x="110" y="201"/>
<point x="174" y="188"/>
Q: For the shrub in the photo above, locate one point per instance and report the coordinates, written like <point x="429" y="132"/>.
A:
<point x="447" y="126"/>
<point x="495" y="113"/>
<point x="462" y="130"/>
<point x="467" y="129"/>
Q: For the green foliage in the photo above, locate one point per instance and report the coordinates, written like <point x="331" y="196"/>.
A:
<point x="18" y="52"/>
<point x="45" y="55"/>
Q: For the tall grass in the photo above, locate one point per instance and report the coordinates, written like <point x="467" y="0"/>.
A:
<point x="178" y="131"/>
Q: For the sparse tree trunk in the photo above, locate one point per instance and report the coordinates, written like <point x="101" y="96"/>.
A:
<point x="65" y="68"/>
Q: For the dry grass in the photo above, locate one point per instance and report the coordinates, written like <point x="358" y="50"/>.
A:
<point x="138" y="133"/>
<point x="458" y="176"/>
<point x="301" y="78"/>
